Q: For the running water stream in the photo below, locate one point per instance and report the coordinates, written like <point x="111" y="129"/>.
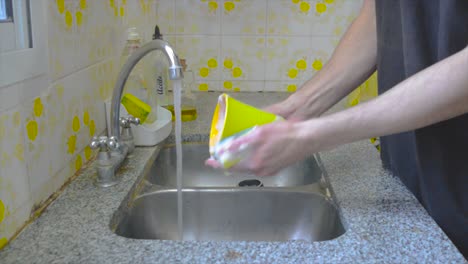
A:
<point x="177" y="86"/>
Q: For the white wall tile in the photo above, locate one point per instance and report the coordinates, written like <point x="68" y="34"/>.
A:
<point x="202" y="54"/>
<point x="207" y="86"/>
<point x="296" y="58"/>
<point x="309" y="18"/>
<point x="244" y="17"/>
<point x="233" y="86"/>
<point x="243" y="58"/>
<point x="198" y="17"/>
<point x="14" y="185"/>
<point x="283" y="86"/>
<point x="14" y="220"/>
<point x="166" y="16"/>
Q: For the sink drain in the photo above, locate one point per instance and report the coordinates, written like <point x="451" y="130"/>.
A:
<point x="250" y="183"/>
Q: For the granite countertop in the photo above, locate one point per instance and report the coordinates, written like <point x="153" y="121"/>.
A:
<point x="383" y="220"/>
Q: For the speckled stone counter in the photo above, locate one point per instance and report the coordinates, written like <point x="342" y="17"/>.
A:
<point x="384" y="222"/>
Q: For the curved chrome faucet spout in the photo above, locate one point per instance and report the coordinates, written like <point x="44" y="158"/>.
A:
<point x="175" y="73"/>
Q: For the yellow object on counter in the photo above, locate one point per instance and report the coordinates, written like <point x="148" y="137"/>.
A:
<point x="137" y="108"/>
<point x="188" y="113"/>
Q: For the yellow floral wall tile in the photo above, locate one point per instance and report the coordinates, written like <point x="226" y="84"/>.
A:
<point x="14" y="187"/>
<point x="13" y="221"/>
<point x="38" y="139"/>
<point x="56" y="132"/>
<point x="241" y="86"/>
<point x="296" y="59"/>
<point x="141" y="14"/>
<point x="244" y="17"/>
<point x="243" y="58"/>
<point x="202" y="55"/>
<point x="310" y="17"/>
<point x="198" y="17"/>
<point x="206" y="85"/>
<point x="80" y="33"/>
<point x="283" y="86"/>
<point x="166" y="16"/>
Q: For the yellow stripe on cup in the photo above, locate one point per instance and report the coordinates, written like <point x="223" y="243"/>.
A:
<point x="238" y="116"/>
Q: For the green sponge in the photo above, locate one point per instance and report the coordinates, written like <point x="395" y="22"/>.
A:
<point x="136" y="107"/>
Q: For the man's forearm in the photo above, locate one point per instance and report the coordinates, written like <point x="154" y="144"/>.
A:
<point x="352" y="62"/>
<point x="438" y="93"/>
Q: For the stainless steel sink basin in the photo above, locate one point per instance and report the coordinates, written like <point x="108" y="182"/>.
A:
<point x="195" y="174"/>
<point x="257" y="214"/>
<point x="295" y="204"/>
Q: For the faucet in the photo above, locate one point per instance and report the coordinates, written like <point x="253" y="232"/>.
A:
<point x="114" y="150"/>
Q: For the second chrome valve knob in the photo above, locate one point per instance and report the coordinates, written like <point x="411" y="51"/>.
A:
<point x="103" y="143"/>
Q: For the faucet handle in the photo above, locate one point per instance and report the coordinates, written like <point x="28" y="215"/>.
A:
<point x="103" y="143"/>
<point x="125" y="122"/>
<point x="113" y="143"/>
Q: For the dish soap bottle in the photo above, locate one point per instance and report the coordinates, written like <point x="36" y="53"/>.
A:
<point x="188" y="110"/>
<point x="161" y="75"/>
<point x="136" y="85"/>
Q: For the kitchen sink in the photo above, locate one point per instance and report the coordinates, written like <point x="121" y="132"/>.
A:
<point x="227" y="214"/>
<point x="295" y="204"/>
<point x="195" y="174"/>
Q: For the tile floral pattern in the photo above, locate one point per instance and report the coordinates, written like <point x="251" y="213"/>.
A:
<point x="231" y="45"/>
<point x="310" y="18"/>
<point x="244" y="17"/>
<point x="296" y="59"/>
<point x="284" y="42"/>
<point x="197" y="17"/>
<point x="44" y="136"/>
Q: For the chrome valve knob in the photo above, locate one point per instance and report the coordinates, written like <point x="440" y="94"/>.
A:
<point x="103" y="143"/>
<point x="125" y="122"/>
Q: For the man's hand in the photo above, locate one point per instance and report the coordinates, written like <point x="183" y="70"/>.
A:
<point x="272" y="147"/>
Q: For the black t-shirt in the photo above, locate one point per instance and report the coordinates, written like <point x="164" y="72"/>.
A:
<point x="432" y="161"/>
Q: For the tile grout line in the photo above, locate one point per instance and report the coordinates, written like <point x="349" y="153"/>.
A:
<point x="265" y="46"/>
<point x="220" y="52"/>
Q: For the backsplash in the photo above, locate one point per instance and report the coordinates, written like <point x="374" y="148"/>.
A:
<point x="47" y="122"/>
<point x="259" y="45"/>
